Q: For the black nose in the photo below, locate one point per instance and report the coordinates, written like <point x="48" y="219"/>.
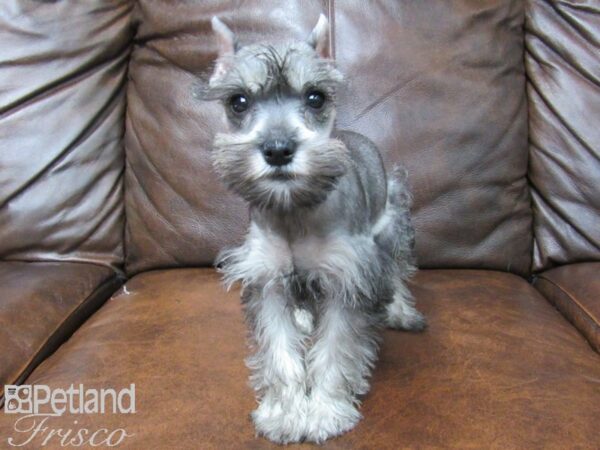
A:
<point x="278" y="152"/>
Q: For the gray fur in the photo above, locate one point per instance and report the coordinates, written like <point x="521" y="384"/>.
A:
<point x="329" y="247"/>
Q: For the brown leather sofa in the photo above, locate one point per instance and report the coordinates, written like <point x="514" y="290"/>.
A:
<point x="493" y="107"/>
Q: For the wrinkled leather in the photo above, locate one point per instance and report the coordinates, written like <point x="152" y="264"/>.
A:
<point x="40" y="305"/>
<point x="498" y="367"/>
<point x="575" y="290"/>
<point x="62" y="107"/>
<point x="563" y="68"/>
<point x="438" y="86"/>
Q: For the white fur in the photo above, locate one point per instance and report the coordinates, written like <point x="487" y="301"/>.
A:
<point x="319" y="37"/>
<point x="384" y="221"/>
<point x="401" y="313"/>
<point x="260" y="259"/>
<point x="304" y="320"/>
<point x="339" y="365"/>
<point x="340" y="258"/>
<point x="279" y="373"/>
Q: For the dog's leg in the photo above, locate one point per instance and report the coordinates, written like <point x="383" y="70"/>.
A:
<point x="401" y="314"/>
<point x="339" y="364"/>
<point x="278" y="370"/>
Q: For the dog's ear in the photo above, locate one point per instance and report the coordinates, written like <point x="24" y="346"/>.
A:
<point x="319" y="37"/>
<point x="226" y="47"/>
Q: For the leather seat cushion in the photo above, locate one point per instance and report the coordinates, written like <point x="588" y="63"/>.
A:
<point x="497" y="367"/>
<point x="41" y="304"/>
<point x="575" y="290"/>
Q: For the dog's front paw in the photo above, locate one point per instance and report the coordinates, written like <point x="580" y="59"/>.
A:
<point x="280" y="421"/>
<point x="329" y="417"/>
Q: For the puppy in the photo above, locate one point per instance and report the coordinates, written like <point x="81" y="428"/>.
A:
<point x="329" y="246"/>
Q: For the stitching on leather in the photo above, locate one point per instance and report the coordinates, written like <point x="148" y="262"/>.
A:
<point x="331" y="14"/>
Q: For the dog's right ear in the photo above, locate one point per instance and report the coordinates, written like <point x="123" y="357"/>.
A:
<point x="226" y="48"/>
<point x="319" y="37"/>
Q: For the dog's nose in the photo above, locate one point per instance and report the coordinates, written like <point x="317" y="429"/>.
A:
<point x="278" y="152"/>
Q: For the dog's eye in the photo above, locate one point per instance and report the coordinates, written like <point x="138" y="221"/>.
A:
<point x="238" y="103"/>
<point x="315" y="99"/>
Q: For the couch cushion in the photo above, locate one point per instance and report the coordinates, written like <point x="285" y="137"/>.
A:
<point x="40" y="306"/>
<point x="563" y="68"/>
<point x="498" y="367"/>
<point x="438" y="85"/>
<point x="575" y="290"/>
<point x="62" y="108"/>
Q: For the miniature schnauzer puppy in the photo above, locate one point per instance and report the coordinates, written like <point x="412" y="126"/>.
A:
<point x="329" y="246"/>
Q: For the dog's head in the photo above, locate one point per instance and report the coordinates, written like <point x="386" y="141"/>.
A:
<point x="279" y="101"/>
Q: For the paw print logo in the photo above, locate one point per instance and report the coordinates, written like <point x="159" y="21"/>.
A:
<point x="18" y="399"/>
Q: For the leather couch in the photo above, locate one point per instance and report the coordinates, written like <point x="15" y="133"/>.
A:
<point x="110" y="215"/>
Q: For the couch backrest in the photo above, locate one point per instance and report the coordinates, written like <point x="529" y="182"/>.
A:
<point x="438" y="85"/>
<point x="563" y="67"/>
<point x="62" y="107"/>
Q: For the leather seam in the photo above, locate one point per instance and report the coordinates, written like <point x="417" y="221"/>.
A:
<point x="120" y="273"/>
<point x="104" y="284"/>
<point x="331" y="14"/>
<point x="573" y="299"/>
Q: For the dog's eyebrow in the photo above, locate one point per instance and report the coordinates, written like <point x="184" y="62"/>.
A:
<point x="327" y="86"/>
<point x="224" y="90"/>
<point x="318" y="75"/>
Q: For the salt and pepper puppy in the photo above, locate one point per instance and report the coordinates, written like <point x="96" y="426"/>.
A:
<point x="329" y="246"/>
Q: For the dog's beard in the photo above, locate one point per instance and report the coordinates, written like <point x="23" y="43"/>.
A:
<point x="303" y="183"/>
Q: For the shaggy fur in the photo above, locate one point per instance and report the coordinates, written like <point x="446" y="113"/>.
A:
<point x="329" y="247"/>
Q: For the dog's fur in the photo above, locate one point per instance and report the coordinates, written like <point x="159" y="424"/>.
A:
<point x="329" y="247"/>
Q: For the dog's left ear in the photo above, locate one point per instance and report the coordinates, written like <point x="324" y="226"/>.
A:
<point x="226" y="47"/>
<point x="319" y="37"/>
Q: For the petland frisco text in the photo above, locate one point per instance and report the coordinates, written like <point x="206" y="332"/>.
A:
<point x="37" y="405"/>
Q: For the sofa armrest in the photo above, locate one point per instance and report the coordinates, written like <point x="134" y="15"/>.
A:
<point x="41" y="305"/>
<point x="575" y="290"/>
